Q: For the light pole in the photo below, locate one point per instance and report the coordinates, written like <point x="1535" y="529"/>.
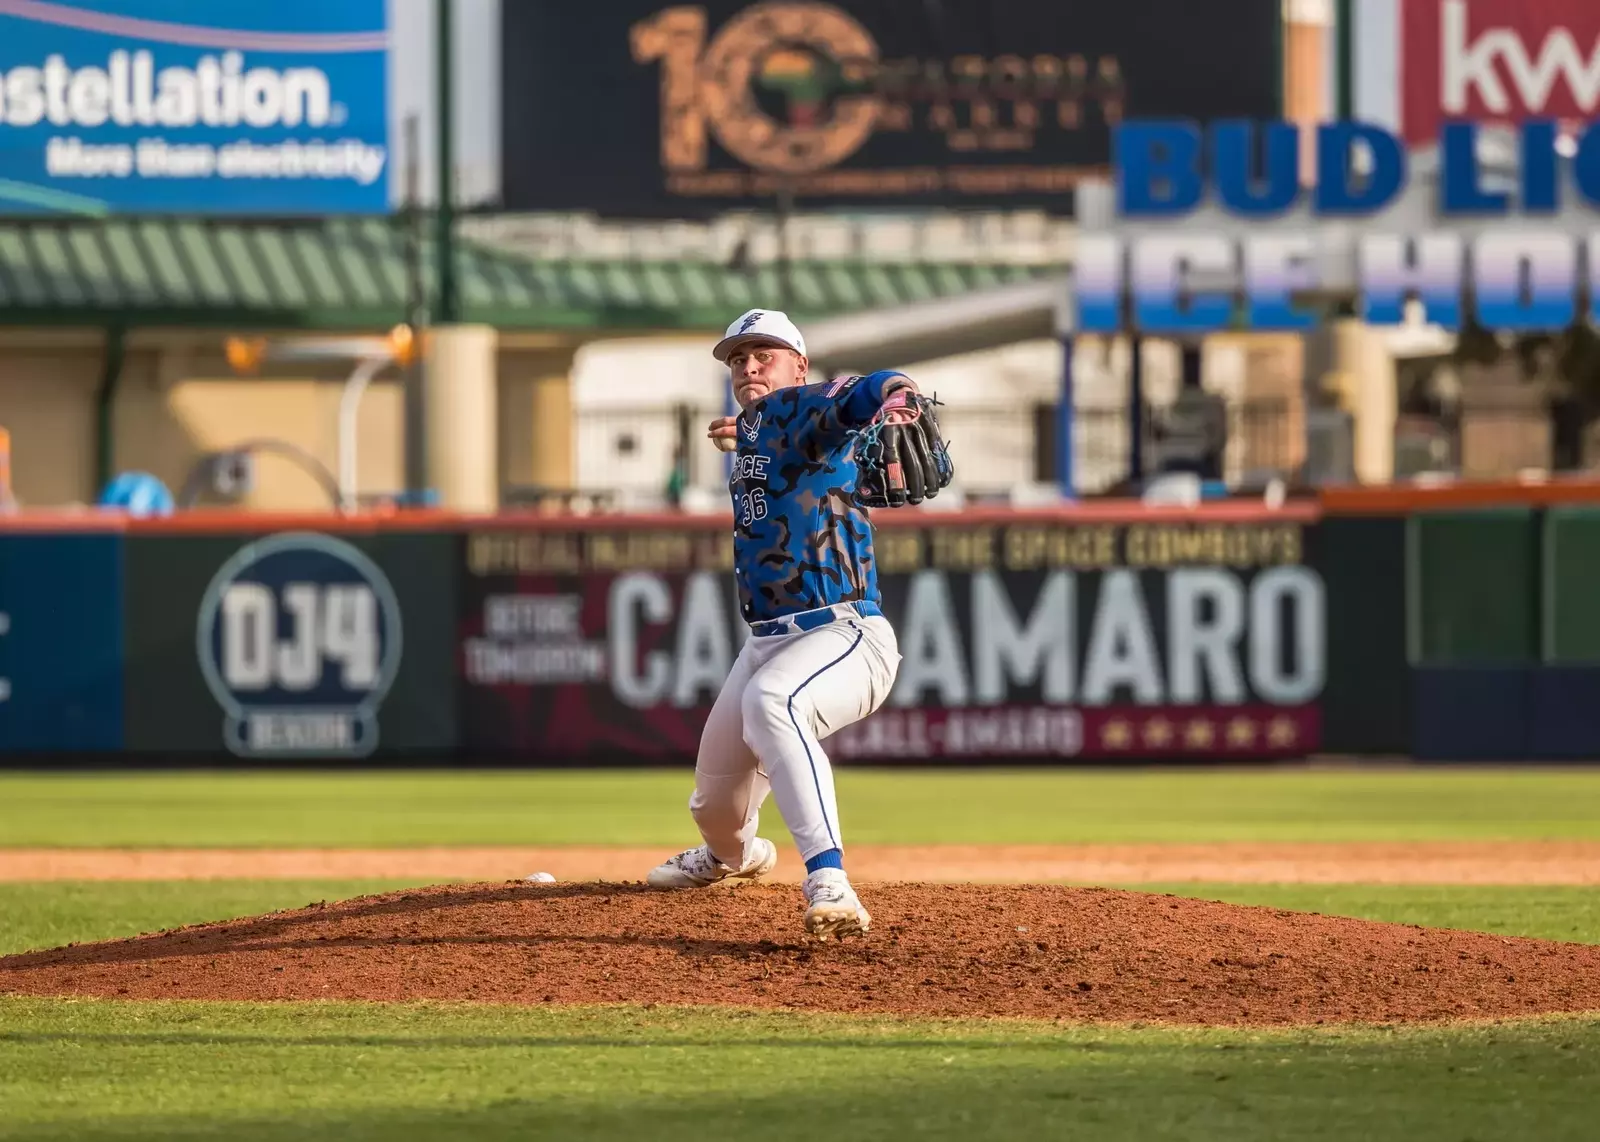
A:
<point x="1345" y="58"/>
<point x="449" y="299"/>
<point x="370" y="354"/>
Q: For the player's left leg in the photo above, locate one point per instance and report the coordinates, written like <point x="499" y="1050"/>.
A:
<point x="729" y="788"/>
<point x="817" y="683"/>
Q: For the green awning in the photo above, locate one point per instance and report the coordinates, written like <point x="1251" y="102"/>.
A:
<point x="351" y="274"/>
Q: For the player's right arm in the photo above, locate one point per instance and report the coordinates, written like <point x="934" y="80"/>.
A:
<point x="724" y="432"/>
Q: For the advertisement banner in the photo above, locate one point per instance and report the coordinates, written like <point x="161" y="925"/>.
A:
<point x="1497" y="61"/>
<point x="167" y="106"/>
<point x="1039" y="641"/>
<point x="60" y="643"/>
<point x="295" y="645"/>
<point x="644" y="109"/>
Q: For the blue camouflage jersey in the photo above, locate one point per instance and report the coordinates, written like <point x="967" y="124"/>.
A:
<point x="799" y="540"/>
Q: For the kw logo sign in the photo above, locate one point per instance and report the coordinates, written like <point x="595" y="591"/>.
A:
<point x="299" y="641"/>
<point x="1499" y="60"/>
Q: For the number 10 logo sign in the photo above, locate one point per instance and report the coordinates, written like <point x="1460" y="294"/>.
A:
<point x="299" y="641"/>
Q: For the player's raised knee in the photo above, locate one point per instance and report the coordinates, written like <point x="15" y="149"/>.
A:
<point x="766" y="701"/>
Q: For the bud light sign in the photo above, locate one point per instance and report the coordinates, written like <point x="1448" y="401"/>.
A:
<point x="1518" y="279"/>
<point x="299" y="641"/>
<point x="175" y="106"/>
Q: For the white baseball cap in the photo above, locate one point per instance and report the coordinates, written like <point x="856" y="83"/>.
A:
<point x="760" y="325"/>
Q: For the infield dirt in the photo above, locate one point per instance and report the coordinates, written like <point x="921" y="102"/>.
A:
<point x="1035" y="951"/>
<point x="1382" y="862"/>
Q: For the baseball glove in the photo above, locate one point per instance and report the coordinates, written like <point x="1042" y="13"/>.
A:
<point x="900" y="456"/>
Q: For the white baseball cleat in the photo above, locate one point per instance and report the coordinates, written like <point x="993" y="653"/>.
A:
<point x="832" y="906"/>
<point x="696" y="867"/>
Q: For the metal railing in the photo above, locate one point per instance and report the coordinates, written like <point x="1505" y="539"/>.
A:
<point x="1487" y="440"/>
<point x="650" y="450"/>
<point x="1262" y="436"/>
<point x="654" y="457"/>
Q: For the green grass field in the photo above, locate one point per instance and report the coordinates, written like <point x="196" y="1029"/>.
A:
<point x="94" y="1069"/>
<point x="90" y="1071"/>
<point x="879" y="807"/>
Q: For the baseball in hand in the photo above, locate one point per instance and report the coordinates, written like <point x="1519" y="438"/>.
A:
<point x="724" y="433"/>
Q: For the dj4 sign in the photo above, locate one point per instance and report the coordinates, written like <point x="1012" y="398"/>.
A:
<point x="299" y="640"/>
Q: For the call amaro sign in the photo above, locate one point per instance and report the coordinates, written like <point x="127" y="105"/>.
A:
<point x="172" y="106"/>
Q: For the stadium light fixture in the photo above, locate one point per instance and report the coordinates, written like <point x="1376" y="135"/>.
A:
<point x="371" y="354"/>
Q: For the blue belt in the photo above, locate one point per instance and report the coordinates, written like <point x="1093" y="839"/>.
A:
<point x="811" y="620"/>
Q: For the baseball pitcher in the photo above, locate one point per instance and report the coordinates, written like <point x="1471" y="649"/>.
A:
<point x="811" y="458"/>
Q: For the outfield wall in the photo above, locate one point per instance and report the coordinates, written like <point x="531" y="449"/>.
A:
<point x="1447" y="626"/>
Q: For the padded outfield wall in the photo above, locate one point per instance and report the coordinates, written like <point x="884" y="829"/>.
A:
<point x="1442" y="627"/>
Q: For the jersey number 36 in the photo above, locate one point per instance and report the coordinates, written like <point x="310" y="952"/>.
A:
<point x="752" y="506"/>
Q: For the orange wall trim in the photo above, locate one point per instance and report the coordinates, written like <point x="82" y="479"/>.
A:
<point x="1399" y="499"/>
<point x="203" y="520"/>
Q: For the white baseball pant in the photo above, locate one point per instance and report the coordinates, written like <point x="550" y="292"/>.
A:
<point x="784" y="694"/>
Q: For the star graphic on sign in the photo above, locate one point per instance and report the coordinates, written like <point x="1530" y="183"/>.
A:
<point x="1199" y="734"/>
<point x="1282" y="731"/>
<point x="1158" y="731"/>
<point x="1116" y="734"/>
<point x="1241" y="731"/>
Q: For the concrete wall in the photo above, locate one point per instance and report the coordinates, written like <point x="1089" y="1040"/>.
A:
<point x="47" y="403"/>
<point x="178" y="400"/>
<point x="187" y="403"/>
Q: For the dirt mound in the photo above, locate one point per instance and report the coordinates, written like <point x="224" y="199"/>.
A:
<point x="1039" y="951"/>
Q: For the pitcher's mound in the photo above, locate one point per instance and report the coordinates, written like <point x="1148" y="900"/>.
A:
<point x="1037" y="951"/>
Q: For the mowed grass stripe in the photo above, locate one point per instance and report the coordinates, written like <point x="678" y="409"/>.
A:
<point x="648" y="807"/>
<point x="92" y="1070"/>
<point x="1546" y="913"/>
<point x="52" y="914"/>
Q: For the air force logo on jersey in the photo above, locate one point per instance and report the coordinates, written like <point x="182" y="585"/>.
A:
<point x="299" y="641"/>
